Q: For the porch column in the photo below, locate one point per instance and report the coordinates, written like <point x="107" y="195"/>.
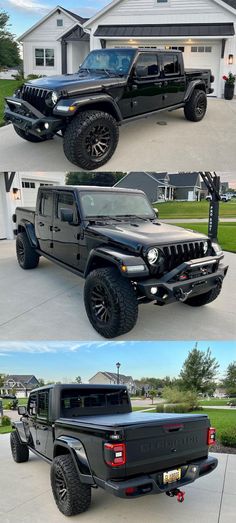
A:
<point x="64" y="57"/>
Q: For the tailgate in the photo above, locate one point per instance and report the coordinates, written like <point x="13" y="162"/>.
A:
<point x="166" y="443"/>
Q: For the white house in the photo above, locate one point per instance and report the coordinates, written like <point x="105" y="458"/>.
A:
<point x="56" y="44"/>
<point x="110" y="378"/>
<point x="22" y="384"/>
<point x="203" y="29"/>
<point x="20" y="189"/>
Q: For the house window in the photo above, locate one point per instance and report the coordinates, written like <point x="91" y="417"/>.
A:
<point x="174" y="48"/>
<point x="59" y="22"/>
<point x="28" y="185"/>
<point x="44" y="57"/>
<point x="162" y="1"/>
<point x="201" y="49"/>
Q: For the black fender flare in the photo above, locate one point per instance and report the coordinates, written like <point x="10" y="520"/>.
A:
<point x="19" y="428"/>
<point x="115" y="257"/>
<point x="29" y="228"/>
<point x="194" y="84"/>
<point x="74" y="447"/>
<point x="89" y="102"/>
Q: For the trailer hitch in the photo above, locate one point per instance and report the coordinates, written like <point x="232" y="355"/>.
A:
<point x="180" y="494"/>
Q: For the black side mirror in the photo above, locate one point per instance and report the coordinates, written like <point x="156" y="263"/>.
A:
<point x="67" y="215"/>
<point x="22" y="410"/>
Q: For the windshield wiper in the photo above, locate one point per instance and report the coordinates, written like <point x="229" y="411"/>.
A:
<point x="135" y="216"/>
<point x="84" y="70"/>
<point x="103" y="217"/>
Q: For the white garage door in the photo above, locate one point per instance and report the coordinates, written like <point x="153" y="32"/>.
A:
<point x="30" y="190"/>
<point x="201" y="55"/>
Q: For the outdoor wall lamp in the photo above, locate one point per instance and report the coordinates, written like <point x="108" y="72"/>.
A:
<point x="230" y="59"/>
<point x="16" y="193"/>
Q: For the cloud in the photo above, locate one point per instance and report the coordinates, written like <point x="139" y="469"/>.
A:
<point x="44" y="347"/>
<point x="30" y="5"/>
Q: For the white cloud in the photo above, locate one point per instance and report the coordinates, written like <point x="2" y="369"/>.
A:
<point x="44" y="347"/>
<point x="30" y="5"/>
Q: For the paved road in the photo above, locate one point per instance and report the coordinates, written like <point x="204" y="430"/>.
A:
<point x="143" y="145"/>
<point x="47" y="303"/>
<point x="26" y="496"/>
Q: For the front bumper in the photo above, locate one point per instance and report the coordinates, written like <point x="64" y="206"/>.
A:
<point x="29" y="119"/>
<point x="153" y="483"/>
<point x="171" y="288"/>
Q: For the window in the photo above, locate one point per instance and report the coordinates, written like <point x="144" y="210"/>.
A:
<point x="43" y="404"/>
<point x="32" y="404"/>
<point x="171" y="64"/>
<point x="45" y="206"/>
<point x="162" y="1"/>
<point x="147" y="65"/>
<point x="59" y="22"/>
<point x="73" y="401"/>
<point x="65" y="200"/>
<point x="28" y="185"/>
<point x="174" y="48"/>
<point x="201" y="49"/>
<point x="44" y="57"/>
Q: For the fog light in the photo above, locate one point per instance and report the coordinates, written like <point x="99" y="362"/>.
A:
<point x="46" y="125"/>
<point x="153" y="290"/>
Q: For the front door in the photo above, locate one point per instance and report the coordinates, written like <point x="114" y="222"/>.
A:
<point x="173" y="80"/>
<point x="66" y="234"/>
<point x="43" y="220"/>
<point x="146" y="84"/>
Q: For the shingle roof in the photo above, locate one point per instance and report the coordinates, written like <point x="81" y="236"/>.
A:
<point x="184" y="179"/>
<point x="231" y="3"/>
<point x="79" y="18"/>
<point x="22" y="378"/>
<point x="161" y="30"/>
<point x="113" y="375"/>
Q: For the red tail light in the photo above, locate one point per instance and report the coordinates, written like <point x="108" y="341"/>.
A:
<point x="115" y="454"/>
<point x="211" y="436"/>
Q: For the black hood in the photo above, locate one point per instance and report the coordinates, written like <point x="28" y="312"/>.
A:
<point x="139" y="234"/>
<point x="78" y="82"/>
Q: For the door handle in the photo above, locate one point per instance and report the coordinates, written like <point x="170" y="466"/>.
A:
<point x="165" y="83"/>
<point x="56" y="229"/>
<point x="41" y="224"/>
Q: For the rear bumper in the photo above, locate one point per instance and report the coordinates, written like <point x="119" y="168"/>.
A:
<point x="152" y="484"/>
<point x="172" y="287"/>
<point x="26" y="117"/>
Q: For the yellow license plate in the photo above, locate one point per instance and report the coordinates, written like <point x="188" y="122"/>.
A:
<point x="171" y="476"/>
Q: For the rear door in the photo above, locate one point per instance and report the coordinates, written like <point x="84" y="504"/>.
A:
<point x="43" y="427"/>
<point x="146" y="84"/>
<point x="173" y="81"/>
<point x="66" y="234"/>
<point x="43" y="220"/>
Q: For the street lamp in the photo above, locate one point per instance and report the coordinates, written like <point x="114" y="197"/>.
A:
<point x="118" y="372"/>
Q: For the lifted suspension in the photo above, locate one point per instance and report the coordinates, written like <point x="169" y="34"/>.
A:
<point x="180" y="494"/>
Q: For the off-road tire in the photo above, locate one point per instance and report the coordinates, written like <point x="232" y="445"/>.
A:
<point x="122" y="302"/>
<point x="195" y="108"/>
<point x="20" y="451"/>
<point x="77" y="498"/>
<point x="31" y="137"/>
<point x="76" y="134"/>
<point x="204" y="299"/>
<point x="26" y="255"/>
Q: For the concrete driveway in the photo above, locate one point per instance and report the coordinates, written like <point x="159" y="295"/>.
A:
<point x="159" y="142"/>
<point x="47" y="303"/>
<point x="26" y="496"/>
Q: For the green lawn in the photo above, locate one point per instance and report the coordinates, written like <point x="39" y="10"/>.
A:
<point x="5" y="430"/>
<point x="7" y="88"/>
<point x="220" y="419"/>
<point x="194" y="209"/>
<point x="226" y="236"/>
<point x="21" y="401"/>
<point x="215" y="402"/>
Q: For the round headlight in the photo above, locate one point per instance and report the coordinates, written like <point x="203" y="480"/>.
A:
<point x="152" y="255"/>
<point x="54" y="97"/>
<point x="205" y="247"/>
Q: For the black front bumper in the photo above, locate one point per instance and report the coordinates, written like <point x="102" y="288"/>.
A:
<point x="153" y="484"/>
<point x="171" y="287"/>
<point x="29" y="119"/>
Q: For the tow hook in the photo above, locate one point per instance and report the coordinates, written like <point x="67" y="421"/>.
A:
<point x="180" y="494"/>
<point x="182" y="296"/>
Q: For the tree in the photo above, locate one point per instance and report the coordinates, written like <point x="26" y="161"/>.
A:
<point x="2" y="379"/>
<point x="230" y="379"/>
<point x="152" y="394"/>
<point x="78" y="379"/>
<point x="9" y="49"/>
<point x="199" y="371"/>
<point x="41" y="382"/>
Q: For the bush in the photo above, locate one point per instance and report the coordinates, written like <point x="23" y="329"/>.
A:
<point x="6" y="422"/>
<point x="160" y="408"/>
<point x="228" y="437"/>
<point x="178" y="408"/>
<point x="175" y="395"/>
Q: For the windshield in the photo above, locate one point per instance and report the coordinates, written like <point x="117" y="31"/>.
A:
<point x="116" y="61"/>
<point x="115" y="204"/>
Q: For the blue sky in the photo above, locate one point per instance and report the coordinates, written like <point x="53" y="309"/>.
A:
<point x="63" y="361"/>
<point x="25" y="13"/>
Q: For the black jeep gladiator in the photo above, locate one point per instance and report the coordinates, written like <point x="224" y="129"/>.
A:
<point x="113" y="239"/>
<point x="91" y="438"/>
<point x="111" y="87"/>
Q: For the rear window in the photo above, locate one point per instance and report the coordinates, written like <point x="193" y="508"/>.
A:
<point x="74" y="402"/>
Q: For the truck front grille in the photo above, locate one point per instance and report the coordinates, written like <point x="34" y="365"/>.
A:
<point x="182" y="252"/>
<point x="36" y="97"/>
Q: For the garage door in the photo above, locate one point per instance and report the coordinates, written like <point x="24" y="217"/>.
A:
<point x="202" y="55"/>
<point x="30" y="190"/>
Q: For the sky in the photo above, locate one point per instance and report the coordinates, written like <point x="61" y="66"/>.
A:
<point x="63" y="361"/>
<point x="25" y="13"/>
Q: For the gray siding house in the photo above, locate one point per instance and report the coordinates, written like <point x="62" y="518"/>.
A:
<point x="157" y="186"/>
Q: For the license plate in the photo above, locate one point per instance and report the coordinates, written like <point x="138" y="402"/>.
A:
<point x="171" y="476"/>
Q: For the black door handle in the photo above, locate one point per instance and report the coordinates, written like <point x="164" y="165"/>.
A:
<point x="56" y="229"/>
<point x="41" y="224"/>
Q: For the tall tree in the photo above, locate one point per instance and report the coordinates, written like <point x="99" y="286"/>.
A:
<point x="230" y="380"/>
<point x="199" y="371"/>
<point x="78" y="379"/>
<point x="9" y="49"/>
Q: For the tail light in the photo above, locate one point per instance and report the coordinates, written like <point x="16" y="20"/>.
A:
<point x="211" y="436"/>
<point x="115" y="454"/>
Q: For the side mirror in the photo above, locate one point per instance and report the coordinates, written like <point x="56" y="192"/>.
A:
<point x="140" y="72"/>
<point x="67" y="215"/>
<point x="22" y="410"/>
<point x="156" y="212"/>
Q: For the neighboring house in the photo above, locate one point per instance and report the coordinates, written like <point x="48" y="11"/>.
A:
<point x="22" y="384"/>
<point x="224" y="188"/>
<point x="157" y="186"/>
<point x="204" y="30"/>
<point x="20" y="189"/>
<point x="164" y="186"/>
<point x="220" y="393"/>
<point x="110" y="378"/>
<point x="56" y="44"/>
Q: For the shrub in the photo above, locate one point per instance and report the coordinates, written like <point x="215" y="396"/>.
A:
<point x="6" y="422"/>
<point x="178" y="408"/>
<point x="228" y="437"/>
<point x="160" y="408"/>
<point x="175" y="395"/>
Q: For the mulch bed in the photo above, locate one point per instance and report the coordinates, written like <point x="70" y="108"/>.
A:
<point x="221" y="448"/>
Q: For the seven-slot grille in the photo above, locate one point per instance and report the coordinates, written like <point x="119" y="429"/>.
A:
<point x="36" y="97"/>
<point x="181" y="252"/>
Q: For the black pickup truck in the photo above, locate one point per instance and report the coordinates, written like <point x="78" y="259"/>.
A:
<point x="113" y="239"/>
<point x="91" y="438"/>
<point x="112" y="86"/>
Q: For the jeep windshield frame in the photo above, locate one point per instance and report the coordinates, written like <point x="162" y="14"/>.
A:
<point x="112" y="205"/>
<point x="110" y="61"/>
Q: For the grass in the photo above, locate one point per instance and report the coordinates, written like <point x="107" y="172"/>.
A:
<point x="21" y="401"/>
<point x="7" y="88"/>
<point x="220" y="419"/>
<point x="6" y="430"/>
<point x="226" y="236"/>
<point x="183" y="210"/>
<point x="215" y="402"/>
